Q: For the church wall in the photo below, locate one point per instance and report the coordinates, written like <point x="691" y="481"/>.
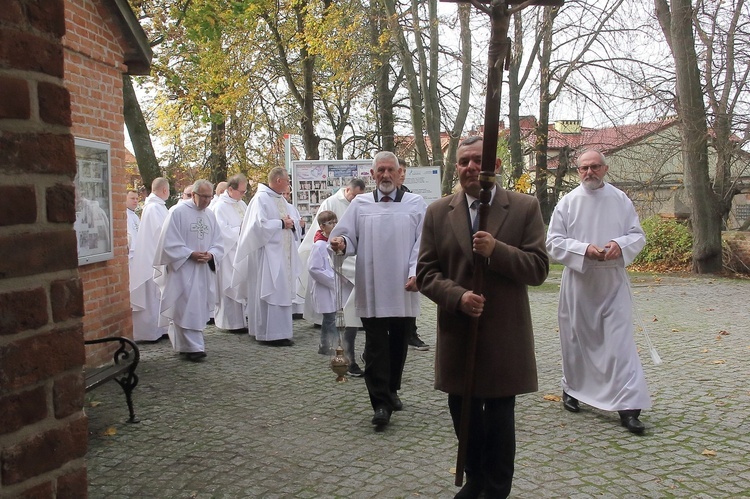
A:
<point x="93" y="75"/>
<point x="43" y="430"/>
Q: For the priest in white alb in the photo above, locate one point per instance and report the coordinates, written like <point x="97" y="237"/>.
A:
<point x="230" y="211"/>
<point x="267" y="265"/>
<point x="144" y="293"/>
<point x="131" y="203"/>
<point x="191" y="250"/>
<point x="595" y="233"/>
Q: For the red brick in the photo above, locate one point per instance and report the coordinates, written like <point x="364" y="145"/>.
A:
<point x="37" y="358"/>
<point x="23" y="310"/>
<point x="12" y="13"/>
<point x="61" y="203"/>
<point x="41" y="491"/>
<point x="68" y="395"/>
<point x="74" y="485"/>
<point x="47" y="16"/>
<point x="17" y="204"/>
<point x="54" y="104"/>
<point x="30" y="52"/>
<point x="15" y="102"/>
<point x="30" y="254"/>
<point x="37" y="153"/>
<point x="67" y="299"/>
<point x="45" y="452"/>
<point x="21" y="409"/>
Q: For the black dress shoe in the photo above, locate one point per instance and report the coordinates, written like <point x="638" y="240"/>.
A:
<point x="397" y="404"/>
<point x="472" y="489"/>
<point x="381" y="417"/>
<point x="570" y="403"/>
<point x="196" y="356"/>
<point x="629" y="419"/>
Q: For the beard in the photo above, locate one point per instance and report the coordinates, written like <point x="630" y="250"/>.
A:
<point x="592" y="183"/>
<point x="386" y="186"/>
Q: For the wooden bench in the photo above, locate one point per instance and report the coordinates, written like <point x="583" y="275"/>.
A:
<point x="122" y="370"/>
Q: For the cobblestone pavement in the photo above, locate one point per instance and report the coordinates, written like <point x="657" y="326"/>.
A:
<point x="257" y="421"/>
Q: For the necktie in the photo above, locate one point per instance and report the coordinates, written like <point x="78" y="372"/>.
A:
<point x="474" y="216"/>
<point x="385" y="199"/>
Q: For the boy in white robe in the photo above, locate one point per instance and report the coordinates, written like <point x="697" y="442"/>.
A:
<point x="595" y="233"/>
<point x="144" y="293"/>
<point x="191" y="249"/>
<point x="322" y="283"/>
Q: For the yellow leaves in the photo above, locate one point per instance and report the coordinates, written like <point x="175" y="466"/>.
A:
<point x="707" y="452"/>
<point x="110" y="432"/>
<point x="552" y="398"/>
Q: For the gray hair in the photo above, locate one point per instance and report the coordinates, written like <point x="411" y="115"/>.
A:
<point x="385" y="155"/>
<point x="276" y="173"/>
<point x="601" y="155"/>
<point x="235" y="181"/>
<point x="201" y="182"/>
<point x="357" y="183"/>
<point x="159" y="183"/>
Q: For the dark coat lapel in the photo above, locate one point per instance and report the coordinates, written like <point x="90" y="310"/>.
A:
<point x="458" y="218"/>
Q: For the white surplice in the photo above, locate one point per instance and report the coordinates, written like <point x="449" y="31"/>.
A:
<point x="266" y="266"/>
<point x="133" y="223"/>
<point x="229" y="215"/>
<point x="337" y="204"/>
<point x="144" y="293"/>
<point x="601" y="366"/>
<point x="188" y="287"/>
<point x="385" y="237"/>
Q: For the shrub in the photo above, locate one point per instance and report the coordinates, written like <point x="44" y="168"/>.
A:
<point x="668" y="244"/>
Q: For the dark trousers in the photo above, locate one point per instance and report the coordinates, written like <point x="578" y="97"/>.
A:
<point x="385" y="355"/>
<point x="492" y="442"/>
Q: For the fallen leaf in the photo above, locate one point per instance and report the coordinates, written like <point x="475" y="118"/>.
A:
<point x="110" y="432"/>
<point x="707" y="452"/>
<point x="94" y="403"/>
<point x="453" y="470"/>
<point x="654" y="319"/>
<point x="709" y="310"/>
<point x="674" y="330"/>
<point x="723" y="333"/>
<point x="719" y="362"/>
<point x="552" y="398"/>
<point x="705" y="350"/>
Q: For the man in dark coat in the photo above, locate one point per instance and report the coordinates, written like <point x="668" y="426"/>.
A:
<point x="505" y="364"/>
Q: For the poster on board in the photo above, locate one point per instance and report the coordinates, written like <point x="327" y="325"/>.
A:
<point x="93" y="202"/>
<point x="314" y="181"/>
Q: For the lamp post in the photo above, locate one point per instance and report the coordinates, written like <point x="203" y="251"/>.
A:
<point x="500" y="12"/>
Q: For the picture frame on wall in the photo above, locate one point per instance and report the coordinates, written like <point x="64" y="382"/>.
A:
<point x="93" y="201"/>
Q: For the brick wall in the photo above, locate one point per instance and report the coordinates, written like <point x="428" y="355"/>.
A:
<point x="737" y="258"/>
<point x="43" y="437"/>
<point x="93" y="75"/>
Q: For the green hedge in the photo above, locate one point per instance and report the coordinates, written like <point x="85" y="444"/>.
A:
<point x="667" y="243"/>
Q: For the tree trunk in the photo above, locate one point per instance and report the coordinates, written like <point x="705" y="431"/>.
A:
<point x="384" y="94"/>
<point x="677" y="24"/>
<point x="148" y="166"/>
<point x="514" y="104"/>
<point x="540" y="147"/>
<point x="217" y="156"/>
<point x="464" y="13"/>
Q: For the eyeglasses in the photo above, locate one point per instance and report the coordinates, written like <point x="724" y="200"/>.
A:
<point x="593" y="168"/>
<point x="237" y="190"/>
<point x="204" y="196"/>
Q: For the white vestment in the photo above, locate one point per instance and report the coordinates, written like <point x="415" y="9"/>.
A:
<point x="337" y="204"/>
<point x="144" y="293"/>
<point x="266" y="266"/>
<point x="229" y="215"/>
<point x="385" y="237"/>
<point x="601" y="366"/>
<point x="133" y="223"/>
<point x="188" y="287"/>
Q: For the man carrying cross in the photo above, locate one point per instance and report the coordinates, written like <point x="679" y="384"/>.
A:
<point x="191" y="248"/>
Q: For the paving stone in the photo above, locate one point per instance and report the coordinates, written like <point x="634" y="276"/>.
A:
<point x="262" y="422"/>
